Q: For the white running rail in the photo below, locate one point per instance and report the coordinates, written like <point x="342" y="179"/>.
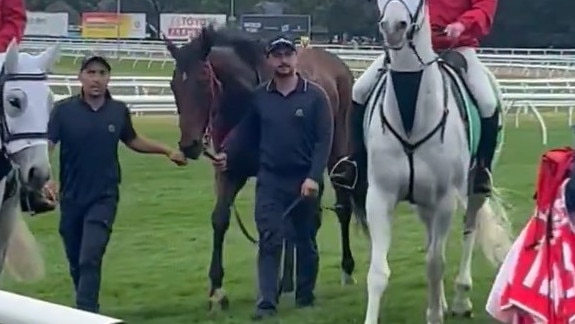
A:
<point x="130" y="45"/>
<point x="152" y="95"/>
<point x="156" y="51"/>
<point x="17" y="309"/>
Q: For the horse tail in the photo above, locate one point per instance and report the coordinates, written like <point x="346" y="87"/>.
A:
<point x="493" y="226"/>
<point x="494" y="229"/>
<point x="24" y="261"/>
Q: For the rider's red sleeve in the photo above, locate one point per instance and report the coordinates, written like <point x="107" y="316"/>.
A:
<point x="479" y="19"/>
<point x="12" y="22"/>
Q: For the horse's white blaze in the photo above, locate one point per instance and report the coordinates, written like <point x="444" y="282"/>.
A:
<point x="441" y="168"/>
<point x="18" y="248"/>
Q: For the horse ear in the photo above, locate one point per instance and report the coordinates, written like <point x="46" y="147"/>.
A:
<point x="172" y="49"/>
<point x="48" y="58"/>
<point x="207" y="41"/>
<point x="11" y="60"/>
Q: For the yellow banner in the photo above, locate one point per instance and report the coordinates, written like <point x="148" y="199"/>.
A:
<point x="111" y="25"/>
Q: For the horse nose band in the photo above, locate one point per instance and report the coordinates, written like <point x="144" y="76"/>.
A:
<point x="6" y="135"/>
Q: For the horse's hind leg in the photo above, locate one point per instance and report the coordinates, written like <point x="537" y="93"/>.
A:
<point x="287" y="281"/>
<point x="343" y="211"/>
<point x="226" y="190"/>
<point x="461" y="305"/>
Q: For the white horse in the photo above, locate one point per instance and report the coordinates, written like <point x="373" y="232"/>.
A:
<point x="24" y="159"/>
<point x="428" y="164"/>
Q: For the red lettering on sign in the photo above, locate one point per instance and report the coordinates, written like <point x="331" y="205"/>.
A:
<point x="183" y="32"/>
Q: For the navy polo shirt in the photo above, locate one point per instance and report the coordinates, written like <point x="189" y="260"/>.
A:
<point x="89" y="167"/>
<point x="295" y="131"/>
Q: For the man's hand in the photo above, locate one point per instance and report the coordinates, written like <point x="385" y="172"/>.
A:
<point x="177" y="157"/>
<point x="309" y="188"/>
<point x="454" y="30"/>
<point x="51" y="190"/>
<point x="221" y="161"/>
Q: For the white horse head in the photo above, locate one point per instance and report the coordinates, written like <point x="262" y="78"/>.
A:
<point x="26" y="104"/>
<point x="401" y="20"/>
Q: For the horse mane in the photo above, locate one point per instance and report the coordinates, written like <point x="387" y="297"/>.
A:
<point x="249" y="49"/>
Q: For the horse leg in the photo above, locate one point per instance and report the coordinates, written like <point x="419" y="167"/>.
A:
<point x="379" y="207"/>
<point x="226" y="190"/>
<point x="461" y="305"/>
<point x="437" y="221"/>
<point x="287" y="281"/>
<point x="343" y="211"/>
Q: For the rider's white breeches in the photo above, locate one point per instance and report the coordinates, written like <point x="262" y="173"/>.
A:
<point x="476" y="79"/>
<point x="363" y="84"/>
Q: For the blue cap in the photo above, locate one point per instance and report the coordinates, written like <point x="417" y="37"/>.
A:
<point x="280" y="42"/>
<point x="95" y="58"/>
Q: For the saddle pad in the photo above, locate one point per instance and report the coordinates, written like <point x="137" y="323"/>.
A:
<point x="467" y="107"/>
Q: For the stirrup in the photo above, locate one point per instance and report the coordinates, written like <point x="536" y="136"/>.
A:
<point x="339" y="179"/>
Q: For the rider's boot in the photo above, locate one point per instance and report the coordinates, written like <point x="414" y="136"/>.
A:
<point x="485" y="153"/>
<point x="346" y="171"/>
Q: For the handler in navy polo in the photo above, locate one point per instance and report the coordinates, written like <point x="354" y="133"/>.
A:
<point x="292" y="122"/>
<point x="88" y="127"/>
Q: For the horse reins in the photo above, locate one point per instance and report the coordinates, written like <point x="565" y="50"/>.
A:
<point x="209" y="151"/>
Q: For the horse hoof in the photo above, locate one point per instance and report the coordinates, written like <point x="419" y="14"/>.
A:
<point x="224" y="303"/>
<point x="466" y="314"/>
<point x="218" y="301"/>
<point x="347" y="279"/>
<point x="287" y="288"/>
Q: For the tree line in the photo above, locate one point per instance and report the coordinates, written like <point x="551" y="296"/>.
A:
<point x="525" y="23"/>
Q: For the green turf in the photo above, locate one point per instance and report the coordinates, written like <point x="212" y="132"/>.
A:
<point x="68" y="65"/>
<point x="156" y="265"/>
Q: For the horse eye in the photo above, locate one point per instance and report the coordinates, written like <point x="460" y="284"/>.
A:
<point x="15" y="102"/>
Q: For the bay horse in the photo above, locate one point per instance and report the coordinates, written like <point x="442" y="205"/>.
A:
<point x="212" y="83"/>
<point x="422" y="120"/>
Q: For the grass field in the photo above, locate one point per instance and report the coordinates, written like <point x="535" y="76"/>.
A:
<point x="156" y="265"/>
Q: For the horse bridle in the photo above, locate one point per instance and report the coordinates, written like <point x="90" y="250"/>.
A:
<point x="6" y="136"/>
<point x="415" y="25"/>
<point x="210" y="152"/>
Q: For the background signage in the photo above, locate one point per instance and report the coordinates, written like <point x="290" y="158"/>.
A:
<point x="268" y="26"/>
<point x="186" y="26"/>
<point x="112" y="25"/>
<point x="46" y="24"/>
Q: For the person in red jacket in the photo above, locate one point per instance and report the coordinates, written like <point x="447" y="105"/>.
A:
<point x="457" y="25"/>
<point x="12" y="22"/>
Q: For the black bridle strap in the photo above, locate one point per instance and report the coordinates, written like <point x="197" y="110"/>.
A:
<point x="6" y="135"/>
<point x="26" y="77"/>
<point x="25" y="136"/>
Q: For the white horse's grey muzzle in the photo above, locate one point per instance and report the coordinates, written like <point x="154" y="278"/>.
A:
<point x="394" y="33"/>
